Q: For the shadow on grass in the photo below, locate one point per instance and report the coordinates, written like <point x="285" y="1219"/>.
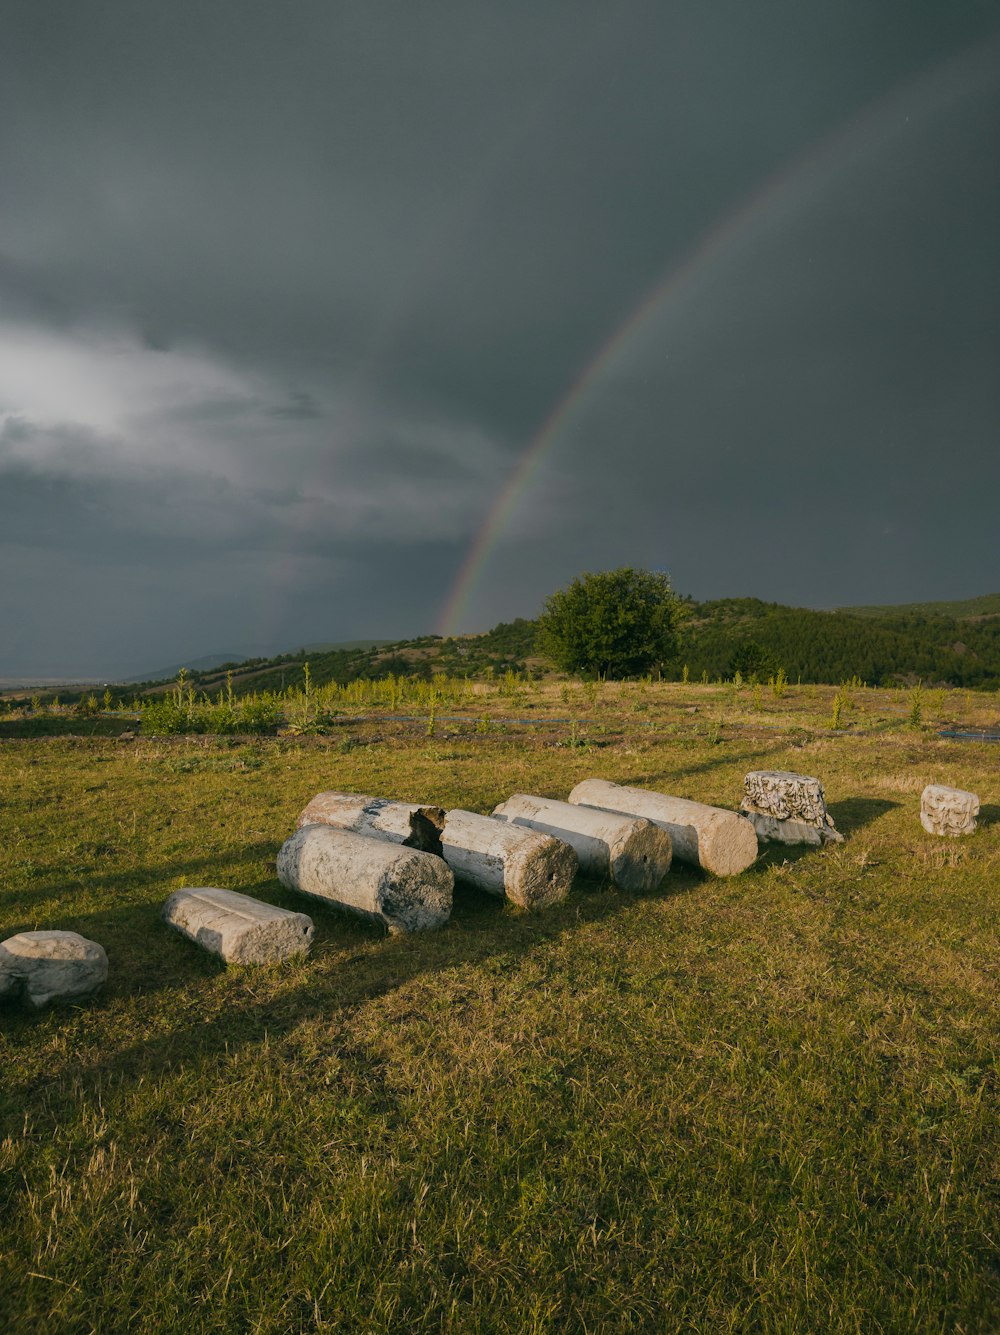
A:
<point x="749" y="756"/>
<point x="989" y="814"/>
<point x="779" y="855"/>
<point x="854" y="813"/>
<point x="137" y="879"/>
<point x="343" y="973"/>
<point x="71" y="726"/>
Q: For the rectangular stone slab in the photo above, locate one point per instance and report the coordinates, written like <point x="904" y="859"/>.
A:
<point x="238" y="929"/>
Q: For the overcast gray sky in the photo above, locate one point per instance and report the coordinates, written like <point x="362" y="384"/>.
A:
<point x="288" y="290"/>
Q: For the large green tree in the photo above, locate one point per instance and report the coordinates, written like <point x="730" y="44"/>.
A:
<point x="619" y="623"/>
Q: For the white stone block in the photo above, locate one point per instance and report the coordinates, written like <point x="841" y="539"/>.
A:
<point x="50" y="966"/>
<point x="530" y="869"/>
<point x="402" y="888"/>
<point x="628" y="850"/>
<point x="948" y="811"/>
<point x="719" y="841"/>
<point x="237" y="928"/>
<point x="787" y="808"/>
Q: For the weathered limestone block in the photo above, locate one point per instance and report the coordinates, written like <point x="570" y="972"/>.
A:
<point x="787" y="808"/>
<point x="403" y="888"/>
<point x="948" y="811"/>
<point x="40" y="967"/>
<point x="530" y="869"/>
<point x="238" y="929"/>
<point x="719" y="841"/>
<point x="629" y="850"/>
<point x="404" y="823"/>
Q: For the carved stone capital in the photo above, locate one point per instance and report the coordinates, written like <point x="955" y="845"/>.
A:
<point x="948" y="811"/>
<point x="787" y="808"/>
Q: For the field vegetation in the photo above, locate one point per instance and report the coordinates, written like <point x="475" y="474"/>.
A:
<point x="763" y="1103"/>
<point x="937" y="645"/>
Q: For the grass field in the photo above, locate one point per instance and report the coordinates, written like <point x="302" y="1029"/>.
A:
<point x="764" y="1103"/>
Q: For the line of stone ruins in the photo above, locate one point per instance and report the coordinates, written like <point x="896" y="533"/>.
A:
<point x="396" y="863"/>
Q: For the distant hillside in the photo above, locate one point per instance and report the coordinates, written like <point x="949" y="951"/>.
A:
<point x="880" y="646"/>
<point x="964" y="610"/>
<point x="329" y="646"/>
<point x="506" y="647"/>
<point x="898" y="645"/>
<point x="719" y="638"/>
<point x="213" y="664"/>
<point x="204" y="664"/>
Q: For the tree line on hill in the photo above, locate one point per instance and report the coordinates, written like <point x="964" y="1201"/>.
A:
<point x="751" y="636"/>
<point x="630" y="623"/>
<point x="716" y="639"/>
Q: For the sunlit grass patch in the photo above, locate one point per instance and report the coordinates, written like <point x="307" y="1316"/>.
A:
<point x="766" y="1103"/>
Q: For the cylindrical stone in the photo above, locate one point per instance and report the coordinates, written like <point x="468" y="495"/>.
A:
<point x="719" y="841"/>
<point x="530" y="869"/>
<point x="405" y="823"/>
<point x="237" y="928"/>
<point x="629" y="850"/>
<point x="51" y="966"/>
<point x="402" y="888"/>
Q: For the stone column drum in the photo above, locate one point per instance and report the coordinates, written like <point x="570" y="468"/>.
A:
<point x="628" y="850"/>
<point x="404" y="823"/>
<point x="530" y="869"/>
<point x="787" y="808"/>
<point x="402" y="888"/>
<point x="719" y="841"/>
<point x="948" y="811"/>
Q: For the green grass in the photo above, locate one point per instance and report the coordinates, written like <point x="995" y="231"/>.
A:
<point x="765" y="1103"/>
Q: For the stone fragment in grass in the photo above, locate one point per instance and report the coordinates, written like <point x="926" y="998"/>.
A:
<point x="530" y="869"/>
<point x="719" y="841"/>
<point x="948" y="811"/>
<point x="403" y="888"/>
<point x="628" y="850"/>
<point x="237" y="928"/>
<point x="787" y="808"/>
<point x="405" y="823"/>
<point x="39" y="967"/>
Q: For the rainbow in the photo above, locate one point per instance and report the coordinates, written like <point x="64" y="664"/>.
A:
<point x="787" y="186"/>
<point x="560" y="417"/>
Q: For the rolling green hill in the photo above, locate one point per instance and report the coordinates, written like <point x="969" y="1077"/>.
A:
<point x="881" y="646"/>
<point x="720" y="637"/>
<point x="900" y="645"/>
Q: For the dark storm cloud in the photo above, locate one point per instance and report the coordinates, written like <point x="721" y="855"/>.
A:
<point x="285" y="291"/>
